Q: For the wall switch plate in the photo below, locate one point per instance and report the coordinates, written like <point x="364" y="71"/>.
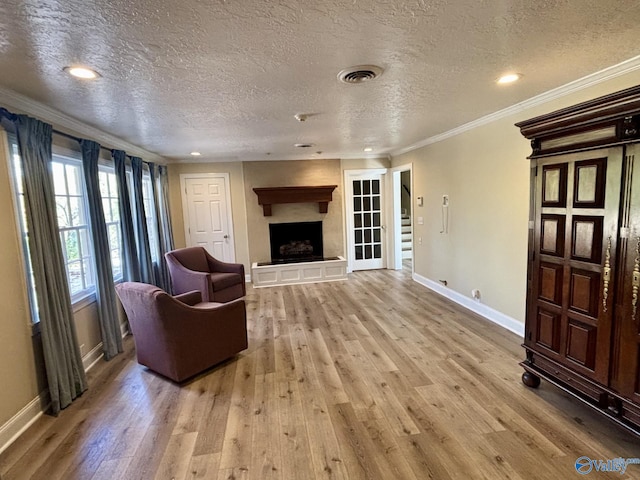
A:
<point x="420" y="221"/>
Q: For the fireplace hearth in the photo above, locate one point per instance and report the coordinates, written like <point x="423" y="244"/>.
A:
<point x="296" y="242"/>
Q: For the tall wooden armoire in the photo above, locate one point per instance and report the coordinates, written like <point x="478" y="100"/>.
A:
<point x="582" y="329"/>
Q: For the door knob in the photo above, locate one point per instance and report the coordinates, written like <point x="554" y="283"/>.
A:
<point x="226" y="236"/>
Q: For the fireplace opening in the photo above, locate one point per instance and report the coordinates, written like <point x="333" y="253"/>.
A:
<point x="296" y="242"/>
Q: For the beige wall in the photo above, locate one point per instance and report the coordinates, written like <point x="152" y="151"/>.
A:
<point x="363" y="163"/>
<point x="237" y="203"/>
<point x="293" y="173"/>
<point x="87" y="327"/>
<point x="486" y="175"/>
<point x="488" y="214"/>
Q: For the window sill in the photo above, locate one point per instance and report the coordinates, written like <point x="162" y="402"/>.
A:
<point x="80" y="303"/>
<point x="76" y="305"/>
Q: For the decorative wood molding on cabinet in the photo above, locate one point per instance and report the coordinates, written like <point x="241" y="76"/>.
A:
<point x="268" y="196"/>
<point x="610" y="120"/>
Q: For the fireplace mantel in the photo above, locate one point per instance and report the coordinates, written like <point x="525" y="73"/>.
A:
<point x="268" y="196"/>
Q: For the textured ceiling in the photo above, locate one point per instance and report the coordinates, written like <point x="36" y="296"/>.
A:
<point x="227" y="78"/>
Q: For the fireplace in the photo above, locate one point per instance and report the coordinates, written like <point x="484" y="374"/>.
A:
<point x="296" y="242"/>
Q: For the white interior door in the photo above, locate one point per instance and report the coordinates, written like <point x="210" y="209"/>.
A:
<point x="207" y="214"/>
<point x="366" y="230"/>
<point x="396" y="233"/>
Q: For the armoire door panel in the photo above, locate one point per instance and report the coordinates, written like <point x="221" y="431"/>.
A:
<point x="576" y="205"/>
<point x="548" y="334"/>
<point x="586" y="238"/>
<point x="584" y="293"/>
<point x="551" y="283"/>
<point x="552" y="235"/>
<point x="581" y="344"/>
<point x="627" y="362"/>
<point x="589" y="183"/>
<point x="554" y="185"/>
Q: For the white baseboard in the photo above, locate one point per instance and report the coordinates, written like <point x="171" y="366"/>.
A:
<point x="91" y="358"/>
<point x="124" y="329"/>
<point x="17" y="424"/>
<point x="247" y="278"/>
<point x="487" y="312"/>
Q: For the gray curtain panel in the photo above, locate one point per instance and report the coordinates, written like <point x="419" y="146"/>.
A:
<point x="105" y="291"/>
<point x="166" y="234"/>
<point x="63" y="362"/>
<point x="163" y="225"/>
<point x="130" y="263"/>
<point x="144" y="250"/>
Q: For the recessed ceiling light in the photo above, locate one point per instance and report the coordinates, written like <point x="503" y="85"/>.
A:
<point x="82" y="72"/>
<point x="368" y="149"/>
<point x="509" y="78"/>
<point x="195" y="154"/>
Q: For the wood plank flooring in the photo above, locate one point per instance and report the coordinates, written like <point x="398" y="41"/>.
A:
<point x="371" y="378"/>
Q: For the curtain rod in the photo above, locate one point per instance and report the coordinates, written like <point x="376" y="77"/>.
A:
<point x="13" y="117"/>
<point x="72" y="137"/>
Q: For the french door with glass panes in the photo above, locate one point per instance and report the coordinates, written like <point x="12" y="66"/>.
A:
<point x="365" y="219"/>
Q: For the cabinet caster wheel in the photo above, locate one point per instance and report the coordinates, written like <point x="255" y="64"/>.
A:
<point x="530" y="380"/>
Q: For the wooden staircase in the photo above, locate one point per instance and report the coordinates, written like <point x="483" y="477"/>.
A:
<point x="407" y="236"/>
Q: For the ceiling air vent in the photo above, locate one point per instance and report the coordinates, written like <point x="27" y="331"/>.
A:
<point x="360" y="74"/>
<point x="304" y="145"/>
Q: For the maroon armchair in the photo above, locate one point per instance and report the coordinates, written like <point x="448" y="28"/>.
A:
<point x="194" y="269"/>
<point x="179" y="337"/>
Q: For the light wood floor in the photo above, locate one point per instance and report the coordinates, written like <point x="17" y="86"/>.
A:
<point x="375" y="377"/>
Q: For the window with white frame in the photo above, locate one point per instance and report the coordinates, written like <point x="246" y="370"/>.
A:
<point x="18" y="187"/>
<point x="149" y="211"/>
<point x="109" y="194"/>
<point x="73" y="225"/>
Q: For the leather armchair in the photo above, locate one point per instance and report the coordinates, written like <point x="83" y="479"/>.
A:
<point x="194" y="269"/>
<point x="179" y="337"/>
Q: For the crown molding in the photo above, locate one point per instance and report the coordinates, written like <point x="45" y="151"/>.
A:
<point x="201" y="159"/>
<point x="628" y="66"/>
<point x="356" y="156"/>
<point x="22" y="104"/>
<point x="232" y="159"/>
